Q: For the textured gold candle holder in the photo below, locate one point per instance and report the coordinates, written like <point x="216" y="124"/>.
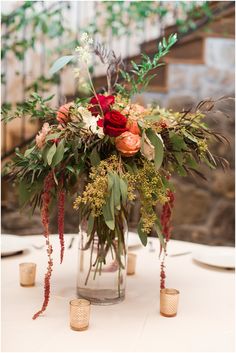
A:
<point x="169" y="299"/>
<point x="131" y="263"/>
<point x="27" y="274"/>
<point x="79" y="314"/>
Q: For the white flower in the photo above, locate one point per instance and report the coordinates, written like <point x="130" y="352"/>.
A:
<point x="85" y="39"/>
<point x="84" y="55"/>
<point x="83" y="50"/>
<point x="90" y="121"/>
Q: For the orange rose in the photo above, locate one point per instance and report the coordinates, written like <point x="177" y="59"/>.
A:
<point x="128" y="144"/>
<point x="133" y="127"/>
<point x="63" y="114"/>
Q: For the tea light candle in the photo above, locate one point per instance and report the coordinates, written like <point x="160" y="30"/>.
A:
<point x="79" y="314"/>
<point x="169" y="299"/>
<point x="131" y="263"/>
<point x="27" y="274"/>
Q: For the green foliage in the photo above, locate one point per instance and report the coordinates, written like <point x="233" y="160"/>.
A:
<point x="35" y="108"/>
<point x="31" y="25"/>
<point x="137" y="12"/>
<point x="51" y="153"/>
<point x="140" y="75"/>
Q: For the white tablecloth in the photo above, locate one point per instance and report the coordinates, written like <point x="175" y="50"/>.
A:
<point x="205" y="320"/>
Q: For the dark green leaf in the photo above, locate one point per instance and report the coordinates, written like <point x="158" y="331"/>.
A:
<point x="94" y="157"/>
<point x="177" y="142"/>
<point x="24" y="193"/>
<point x="71" y="169"/>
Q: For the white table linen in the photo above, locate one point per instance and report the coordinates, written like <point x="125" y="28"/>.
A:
<point x="205" y="320"/>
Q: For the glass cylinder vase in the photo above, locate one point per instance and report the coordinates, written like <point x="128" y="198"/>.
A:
<point x="102" y="264"/>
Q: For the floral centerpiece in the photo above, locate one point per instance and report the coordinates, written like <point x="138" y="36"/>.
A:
<point x="107" y="150"/>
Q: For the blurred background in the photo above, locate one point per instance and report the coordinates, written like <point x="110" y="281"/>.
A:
<point x="200" y="65"/>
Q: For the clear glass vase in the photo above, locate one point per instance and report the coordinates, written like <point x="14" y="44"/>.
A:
<point x="102" y="282"/>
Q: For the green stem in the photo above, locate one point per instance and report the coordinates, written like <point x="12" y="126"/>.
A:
<point x="91" y="263"/>
<point x="95" y="272"/>
<point x="94" y="91"/>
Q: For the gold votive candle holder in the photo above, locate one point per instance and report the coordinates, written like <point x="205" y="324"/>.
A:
<point x="169" y="300"/>
<point x="27" y="274"/>
<point x="131" y="267"/>
<point x="79" y="314"/>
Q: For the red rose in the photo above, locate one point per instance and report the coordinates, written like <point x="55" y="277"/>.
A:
<point x="114" y="123"/>
<point x="101" y="102"/>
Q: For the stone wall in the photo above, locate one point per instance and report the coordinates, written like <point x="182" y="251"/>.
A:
<point x="193" y="82"/>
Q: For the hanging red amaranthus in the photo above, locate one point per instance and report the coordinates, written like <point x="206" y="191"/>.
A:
<point x="61" y="211"/>
<point x="166" y="230"/>
<point x="46" y="198"/>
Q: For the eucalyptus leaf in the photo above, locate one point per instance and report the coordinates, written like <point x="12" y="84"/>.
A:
<point x="116" y="191"/>
<point x="60" y="63"/>
<point x="44" y="154"/>
<point x="108" y="215"/>
<point x="123" y="190"/>
<point x="142" y="235"/>
<point x="110" y="181"/>
<point x="109" y="207"/>
<point x="58" y="156"/>
<point x="28" y="152"/>
<point x="53" y="136"/>
<point x="158" y="145"/>
<point x="51" y="152"/>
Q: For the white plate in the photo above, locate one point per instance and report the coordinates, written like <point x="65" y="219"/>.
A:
<point x="11" y="244"/>
<point x="133" y="240"/>
<point x="219" y="256"/>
